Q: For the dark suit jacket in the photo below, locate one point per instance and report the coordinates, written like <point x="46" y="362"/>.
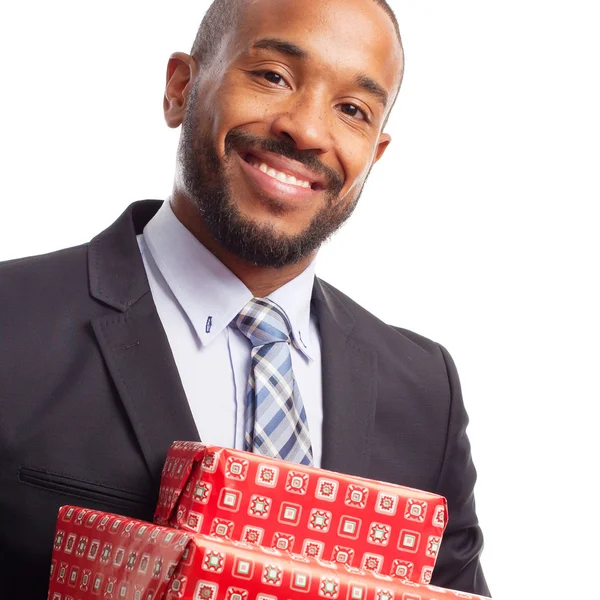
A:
<point x="90" y="401"/>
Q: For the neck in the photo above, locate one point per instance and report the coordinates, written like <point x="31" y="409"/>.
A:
<point x="261" y="281"/>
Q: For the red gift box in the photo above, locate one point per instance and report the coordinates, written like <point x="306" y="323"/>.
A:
<point x="103" y="556"/>
<point x="240" y="496"/>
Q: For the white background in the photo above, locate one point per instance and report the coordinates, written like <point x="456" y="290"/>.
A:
<point x="477" y="229"/>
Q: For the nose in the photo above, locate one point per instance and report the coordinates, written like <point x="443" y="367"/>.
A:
<point x="306" y="121"/>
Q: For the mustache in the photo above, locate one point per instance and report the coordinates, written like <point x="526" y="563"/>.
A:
<point x="242" y="139"/>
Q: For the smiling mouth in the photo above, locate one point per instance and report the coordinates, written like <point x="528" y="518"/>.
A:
<point x="288" y="178"/>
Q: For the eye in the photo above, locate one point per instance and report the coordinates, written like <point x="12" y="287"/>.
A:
<point x="353" y="111"/>
<point x="272" y="77"/>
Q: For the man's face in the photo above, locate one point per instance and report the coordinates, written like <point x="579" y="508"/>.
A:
<point x="284" y="124"/>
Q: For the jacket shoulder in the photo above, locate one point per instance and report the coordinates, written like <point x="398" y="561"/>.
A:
<point x="371" y="327"/>
<point x="38" y="285"/>
<point x="43" y="263"/>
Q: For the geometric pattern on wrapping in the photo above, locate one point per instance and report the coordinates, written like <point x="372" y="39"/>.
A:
<point x="372" y="562"/>
<point x="253" y="535"/>
<point x="426" y="574"/>
<point x="357" y="496"/>
<point x="416" y="510"/>
<point x="102" y="555"/>
<point x="343" y="555"/>
<point x="379" y="534"/>
<point x="409" y="541"/>
<point x="312" y="548"/>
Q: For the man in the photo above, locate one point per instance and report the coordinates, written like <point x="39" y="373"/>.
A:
<point x="158" y="329"/>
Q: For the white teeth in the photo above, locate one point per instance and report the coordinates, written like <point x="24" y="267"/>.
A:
<point x="289" y="179"/>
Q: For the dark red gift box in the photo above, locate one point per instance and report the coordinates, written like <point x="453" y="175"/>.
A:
<point x="103" y="556"/>
<point x="379" y="527"/>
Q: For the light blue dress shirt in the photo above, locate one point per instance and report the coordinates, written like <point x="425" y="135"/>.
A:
<point x="197" y="298"/>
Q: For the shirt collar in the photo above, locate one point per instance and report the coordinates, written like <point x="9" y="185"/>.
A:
<point x="208" y="292"/>
<point x="294" y="298"/>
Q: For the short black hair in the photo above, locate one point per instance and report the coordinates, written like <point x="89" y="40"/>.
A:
<point x="222" y="15"/>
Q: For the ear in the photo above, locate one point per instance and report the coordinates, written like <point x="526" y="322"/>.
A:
<point x="181" y="72"/>
<point x="382" y="144"/>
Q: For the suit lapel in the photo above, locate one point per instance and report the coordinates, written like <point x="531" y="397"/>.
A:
<point x="349" y="387"/>
<point x="133" y="342"/>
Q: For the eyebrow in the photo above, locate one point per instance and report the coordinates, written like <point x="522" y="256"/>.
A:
<point x="280" y="46"/>
<point x="372" y="87"/>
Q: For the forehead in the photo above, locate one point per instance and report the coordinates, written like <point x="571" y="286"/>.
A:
<point x="341" y="35"/>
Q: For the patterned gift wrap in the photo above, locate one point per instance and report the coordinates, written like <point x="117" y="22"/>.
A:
<point x="240" y="496"/>
<point x="103" y="556"/>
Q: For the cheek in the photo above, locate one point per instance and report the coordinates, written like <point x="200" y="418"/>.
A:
<point x="356" y="155"/>
<point x="234" y="106"/>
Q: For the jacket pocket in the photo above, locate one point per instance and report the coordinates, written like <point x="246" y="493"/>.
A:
<point x="84" y="490"/>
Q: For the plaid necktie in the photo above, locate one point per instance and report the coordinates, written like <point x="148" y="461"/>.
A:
<point x="275" y="419"/>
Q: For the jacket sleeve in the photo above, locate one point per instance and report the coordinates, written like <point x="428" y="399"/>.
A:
<point x="458" y="566"/>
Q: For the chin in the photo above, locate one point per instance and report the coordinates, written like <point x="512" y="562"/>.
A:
<point x="275" y="224"/>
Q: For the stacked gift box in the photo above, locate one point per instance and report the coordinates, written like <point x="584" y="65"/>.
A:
<point x="240" y="496"/>
<point x="231" y="525"/>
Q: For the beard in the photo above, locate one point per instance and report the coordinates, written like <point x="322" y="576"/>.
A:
<point x="204" y="176"/>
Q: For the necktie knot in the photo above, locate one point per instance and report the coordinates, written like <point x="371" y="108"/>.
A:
<point x="263" y="322"/>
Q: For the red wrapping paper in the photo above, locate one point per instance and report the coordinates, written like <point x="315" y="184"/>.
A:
<point x="100" y="555"/>
<point x="240" y="496"/>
